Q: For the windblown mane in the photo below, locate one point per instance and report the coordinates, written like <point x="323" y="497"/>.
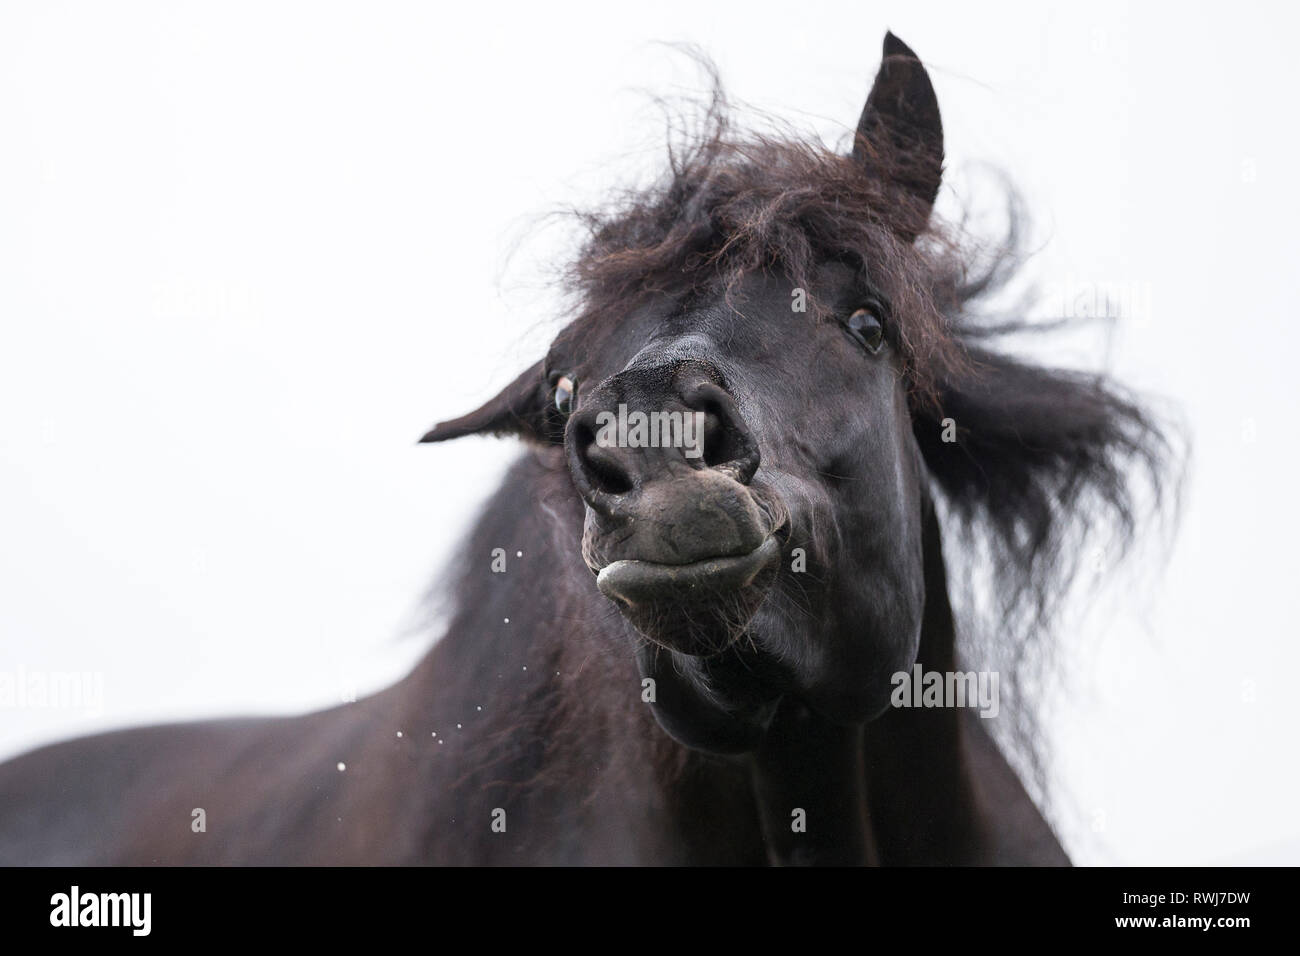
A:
<point x="1044" y="458"/>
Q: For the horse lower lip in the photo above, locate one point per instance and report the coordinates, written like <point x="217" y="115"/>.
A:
<point x="640" y="582"/>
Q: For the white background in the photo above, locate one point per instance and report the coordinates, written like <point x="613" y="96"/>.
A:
<point x="249" y="252"/>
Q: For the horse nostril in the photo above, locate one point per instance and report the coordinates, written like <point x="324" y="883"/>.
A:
<point x="601" y="467"/>
<point x="721" y="444"/>
<point x="728" y="442"/>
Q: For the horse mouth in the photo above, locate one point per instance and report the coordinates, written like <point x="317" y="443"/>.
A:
<point x="638" y="583"/>
<point x="693" y="579"/>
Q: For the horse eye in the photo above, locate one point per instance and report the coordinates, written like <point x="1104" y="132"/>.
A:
<point x="867" y="329"/>
<point x="566" y="389"/>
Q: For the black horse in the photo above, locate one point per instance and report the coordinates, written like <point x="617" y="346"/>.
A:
<point x="686" y="652"/>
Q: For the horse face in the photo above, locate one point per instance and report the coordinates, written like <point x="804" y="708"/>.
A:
<point x="749" y="479"/>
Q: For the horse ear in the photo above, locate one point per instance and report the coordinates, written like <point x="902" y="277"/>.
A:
<point x="900" y="133"/>
<point x="519" y="409"/>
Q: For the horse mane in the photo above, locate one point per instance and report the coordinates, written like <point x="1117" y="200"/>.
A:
<point x="1045" y="461"/>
